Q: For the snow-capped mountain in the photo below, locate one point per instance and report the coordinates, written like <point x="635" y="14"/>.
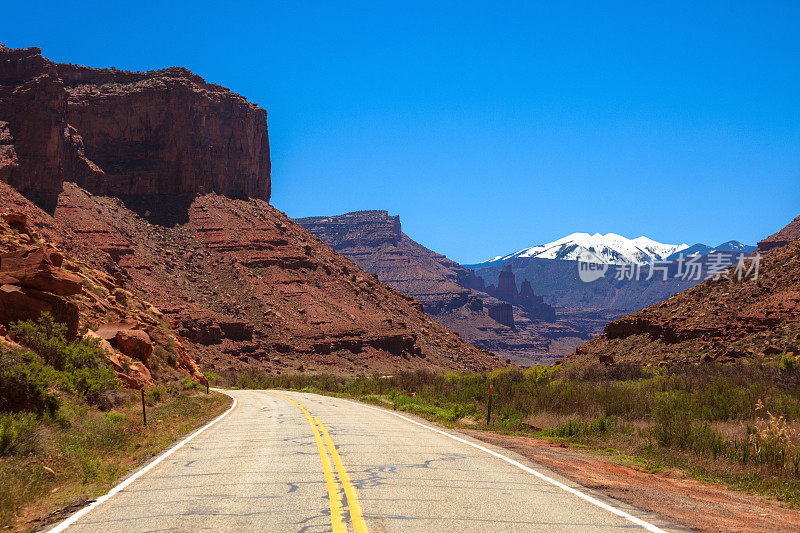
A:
<point x="734" y="247"/>
<point x="609" y="248"/>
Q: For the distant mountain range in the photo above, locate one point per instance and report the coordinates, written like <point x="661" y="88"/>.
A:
<point x="613" y="249"/>
<point x="715" y="321"/>
<point x="701" y="249"/>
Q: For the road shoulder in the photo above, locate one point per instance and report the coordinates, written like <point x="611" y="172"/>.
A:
<point x="685" y="501"/>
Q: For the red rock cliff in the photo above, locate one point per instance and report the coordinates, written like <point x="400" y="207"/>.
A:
<point x="167" y="132"/>
<point x="38" y="149"/>
<point x="140" y="134"/>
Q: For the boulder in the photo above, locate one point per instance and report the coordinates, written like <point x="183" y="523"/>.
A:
<point x="17" y="221"/>
<point x="134" y="343"/>
<point x="132" y="373"/>
<point x="109" y="331"/>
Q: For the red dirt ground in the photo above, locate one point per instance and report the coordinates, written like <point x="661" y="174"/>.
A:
<point x="687" y="502"/>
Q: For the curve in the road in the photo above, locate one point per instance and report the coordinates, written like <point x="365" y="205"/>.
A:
<point x="258" y="469"/>
<point x="619" y="512"/>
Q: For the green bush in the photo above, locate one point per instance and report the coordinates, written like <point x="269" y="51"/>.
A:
<point x="189" y="384"/>
<point x="577" y="427"/>
<point x="156" y="394"/>
<point x="91" y="383"/>
<point x="47" y="338"/>
<point x="24" y="383"/>
<point x="17" y="433"/>
<point x="77" y="366"/>
<point x="212" y="377"/>
<point x="787" y="364"/>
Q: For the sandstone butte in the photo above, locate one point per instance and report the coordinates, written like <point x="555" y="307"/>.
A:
<point x="159" y="183"/>
<point x="514" y="324"/>
<point x="715" y="321"/>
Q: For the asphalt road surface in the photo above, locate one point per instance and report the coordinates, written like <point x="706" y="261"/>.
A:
<point x="288" y="461"/>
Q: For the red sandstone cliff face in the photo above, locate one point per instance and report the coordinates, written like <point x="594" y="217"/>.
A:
<point x="38" y="148"/>
<point x="167" y="132"/>
<point x="164" y="133"/>
<point x="714" y="321"/>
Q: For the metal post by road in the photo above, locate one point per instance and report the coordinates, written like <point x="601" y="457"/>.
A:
<point x="144" y="412"/>
<point x="489" y="407"/>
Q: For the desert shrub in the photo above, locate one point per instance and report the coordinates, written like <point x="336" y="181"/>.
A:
<point x="510" y="417"/>
<point x="95" y="384"/>
<point x="173" y="389"/>
<point x="156" y="393"/>
<point x="47" y="338"/>
<point x="162" y="354"/>
<point x="24" y="383"/>
<point x="445" y="411"/>
<point x="79" y="365"/>
<point x="17" y="433"/>
<point x="189" y="384"/>
<point x="578" y="427"/>
<point x="787" y="364"/>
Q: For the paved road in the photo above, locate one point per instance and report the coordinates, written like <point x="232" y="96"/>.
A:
<point x="268" y="466"/>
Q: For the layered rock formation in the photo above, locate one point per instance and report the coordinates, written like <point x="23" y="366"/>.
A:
<point x="144" y="136"/>
<point x="167" y="132"/>
<point x="503" y="313"/>
<point x="375" y="241"/>
<point x="716" y="320"/>
<point x="516" y="325"/>
<point x="32" y="282"/>
<point x="247" y="288"/>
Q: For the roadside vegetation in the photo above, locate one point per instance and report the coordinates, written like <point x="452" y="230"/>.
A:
<point x="736" y="423"/>
<point x="68" y="432"/>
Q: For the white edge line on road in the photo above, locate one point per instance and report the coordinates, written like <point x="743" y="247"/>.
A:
<point x="638" y="521"/>
<point x="61" y="526"/>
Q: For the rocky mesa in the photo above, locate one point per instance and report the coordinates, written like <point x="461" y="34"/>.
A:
<point x="141" y="135"/>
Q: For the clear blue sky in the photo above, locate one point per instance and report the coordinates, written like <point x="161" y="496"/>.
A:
<point x="490" y="126"/>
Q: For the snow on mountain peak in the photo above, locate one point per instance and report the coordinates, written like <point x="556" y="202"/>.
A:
<point x="609" y="248"/>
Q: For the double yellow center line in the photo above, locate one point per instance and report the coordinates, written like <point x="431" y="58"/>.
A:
<point x="337" y="517"/>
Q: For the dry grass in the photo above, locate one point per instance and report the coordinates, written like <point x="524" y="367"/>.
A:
<point x="738" y="424"/>
<point x="85" y="452"/>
